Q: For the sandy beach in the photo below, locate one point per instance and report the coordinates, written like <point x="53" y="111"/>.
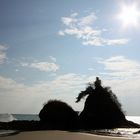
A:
<point x="59" y="135"/>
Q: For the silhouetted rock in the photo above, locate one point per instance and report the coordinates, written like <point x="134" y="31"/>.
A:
<point x="21" y="125"/>
<point x="58" y="114"/>
<point x="102" y="108"/>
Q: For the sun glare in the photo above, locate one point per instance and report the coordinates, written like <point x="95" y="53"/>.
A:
<point x="129" y="15"/>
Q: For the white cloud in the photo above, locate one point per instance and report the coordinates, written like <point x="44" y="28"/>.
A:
<point x="3" y="48"/>
<point x="70" y="80"/>
<point x="61" y="33"/>
<point x="87" y="20"/>
<point x="74" y="14"/>
<point x="69" y="20"/>
<point x="45" y="66"/>
<point x="119" y="63"/>
<point x="82" y="28"/>
<point x="52" y="58"/>
<point x="116" y="41"/>
<point x="72" y="20"/>
<point x="97" y="41"/>
<point x="3" y="56"/>
<point x="121" y="67"/>
<point x="19" y="98"/>
<point x="16" y="97"/>
<point x="42" y="66"/>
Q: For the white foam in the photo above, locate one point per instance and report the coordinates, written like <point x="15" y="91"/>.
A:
<point x="135" y="119"/>
<point x="7" y="117"/>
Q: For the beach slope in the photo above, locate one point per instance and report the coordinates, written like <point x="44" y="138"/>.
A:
<point x="59" y="135"/>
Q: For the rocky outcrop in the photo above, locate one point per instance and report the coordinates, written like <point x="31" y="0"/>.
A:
<point x="102" y="108"/>
<point x="58" y="115"/>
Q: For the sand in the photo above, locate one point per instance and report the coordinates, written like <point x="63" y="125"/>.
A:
<point x="59" y="135"/>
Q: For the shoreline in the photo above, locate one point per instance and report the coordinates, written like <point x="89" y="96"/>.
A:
<point x="60" y="135"/>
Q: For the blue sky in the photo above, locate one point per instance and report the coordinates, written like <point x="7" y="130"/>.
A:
<point x="52" y="49"/>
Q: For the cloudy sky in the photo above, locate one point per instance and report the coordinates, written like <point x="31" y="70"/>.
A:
<point x="51" y="49"/>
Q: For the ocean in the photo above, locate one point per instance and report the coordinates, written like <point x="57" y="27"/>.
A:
<point x="124" y="132"/>
<point x="11" y="117"/>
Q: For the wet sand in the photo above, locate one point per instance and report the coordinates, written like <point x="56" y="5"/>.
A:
<point x="59" y="135"/>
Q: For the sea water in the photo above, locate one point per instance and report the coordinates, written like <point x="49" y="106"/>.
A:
<point x="126" y="132"/>
<point x="26" y="117"/>
<point x="135" y="119"/>
<point x="11" y="117"/>
<point x="122" y="132"/>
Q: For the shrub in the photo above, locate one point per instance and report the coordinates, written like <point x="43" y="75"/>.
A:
<point x="58" y="114"/>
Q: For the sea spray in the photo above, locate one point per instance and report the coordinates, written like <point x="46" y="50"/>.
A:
<point x="7" y="117"/>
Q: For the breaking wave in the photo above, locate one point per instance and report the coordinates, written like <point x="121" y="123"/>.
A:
<point x="7" y="117"/>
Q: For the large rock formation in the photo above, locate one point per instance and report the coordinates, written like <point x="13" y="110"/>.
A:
<point x="58" y="114"/>
<point x="102" y="108"/>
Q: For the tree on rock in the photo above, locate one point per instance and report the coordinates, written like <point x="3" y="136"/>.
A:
<point x="102" y="108"/>
<point x="58" y="115"/>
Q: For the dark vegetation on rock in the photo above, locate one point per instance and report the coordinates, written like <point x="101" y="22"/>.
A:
<point x="58" y="114"/>
<point x="101" y="110"/>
